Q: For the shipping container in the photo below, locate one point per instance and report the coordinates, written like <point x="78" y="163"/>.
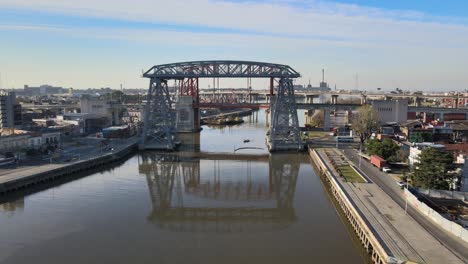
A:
<point x="378" y="161"/>
<point x="411" y="115"/>
<point x="116" y="132"/>
<point x="454" y="116"/>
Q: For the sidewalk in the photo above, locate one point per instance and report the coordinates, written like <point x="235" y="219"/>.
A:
<point x="402" y="236"/>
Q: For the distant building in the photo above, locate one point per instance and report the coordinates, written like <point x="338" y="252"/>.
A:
<point x="14" y="140"/>
<point x="10" y="110"/>
<point x="391" y="111"/>
<point x="100" y="108"/>
<point x="84" y="123"/>
<point x="323" y="86"/>
<point x="134" y="115"/>
<point x="43" y="90"/>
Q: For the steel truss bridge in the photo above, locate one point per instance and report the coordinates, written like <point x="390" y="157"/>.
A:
<point x="260" y="205"/>
<point x="160" y="127"/>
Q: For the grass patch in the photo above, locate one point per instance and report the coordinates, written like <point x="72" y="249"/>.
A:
<point x="350" y="174"/>
<point x="315" y="134"/>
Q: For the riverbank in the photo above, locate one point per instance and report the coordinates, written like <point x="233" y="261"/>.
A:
<point x="385" y="231"/>
<point x="21" y="178"/>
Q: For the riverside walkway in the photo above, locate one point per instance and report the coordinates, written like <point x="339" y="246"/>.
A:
<point x="403" y="239"/>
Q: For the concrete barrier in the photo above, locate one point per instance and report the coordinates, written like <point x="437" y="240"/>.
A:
<point x="446" y="224"/>
<point x="462" y="196"/>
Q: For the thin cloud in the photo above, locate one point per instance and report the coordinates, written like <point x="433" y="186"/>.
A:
<point x="294" y="19"/>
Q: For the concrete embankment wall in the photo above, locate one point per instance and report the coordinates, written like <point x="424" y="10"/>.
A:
<point x="462" y="196"/>
<point x="446" y="224"/>
<point x="368" y="240"/>
<point x="66" y="170"/>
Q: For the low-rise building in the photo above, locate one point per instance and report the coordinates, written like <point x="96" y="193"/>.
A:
<point x="416" y="150"/>
<point x="100" y="108"/>
<point x="134" y="115"/>
<point x="86" y="123"/>
<point x="14" y="140"/>
<point x="460" y="130"/>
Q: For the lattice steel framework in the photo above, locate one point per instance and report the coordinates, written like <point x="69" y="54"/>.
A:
<point x="221" y="69"/>
<point x="159" y="123"/>
<point x="285" y="133"/>
<point x="159" y="126"/>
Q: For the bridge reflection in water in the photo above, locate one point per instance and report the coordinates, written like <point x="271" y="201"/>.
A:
<point x="184" y="199"/>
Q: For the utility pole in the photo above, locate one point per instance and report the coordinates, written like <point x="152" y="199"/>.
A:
<point x="406" y="194"/>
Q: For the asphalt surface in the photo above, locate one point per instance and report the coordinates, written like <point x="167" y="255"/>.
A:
<point x="389" y="186"/>
<point x="83" y="152"/>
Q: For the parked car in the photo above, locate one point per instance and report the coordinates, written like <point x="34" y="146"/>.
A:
<point x="386" y="169"/>
<point x="401" y="184"/>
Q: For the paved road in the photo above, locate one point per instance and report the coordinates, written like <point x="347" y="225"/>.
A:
<point x="83" y="152"/>
<point x="399" y="233"/>
<point x="388" y="185"/>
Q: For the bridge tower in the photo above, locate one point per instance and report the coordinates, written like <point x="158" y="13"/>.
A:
<point x="159" y="125"/>
<point x="284" y="132"/>
<point x="187" y="109"/>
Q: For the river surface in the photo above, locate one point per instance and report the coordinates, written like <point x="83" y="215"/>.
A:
<point x="173" y="208"/>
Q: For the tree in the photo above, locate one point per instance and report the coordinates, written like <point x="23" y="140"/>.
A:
<point x="365" y="121"/>
<point x="432" y="170"/>
<point x="386" y="149"/>
<point x="317" y="119"/>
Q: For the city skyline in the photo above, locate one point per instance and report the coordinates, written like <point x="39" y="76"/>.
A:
<point x="413" y="46"/>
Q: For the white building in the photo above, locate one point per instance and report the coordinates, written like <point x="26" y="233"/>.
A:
<point x="391" y="111"/>
<point x="35" y="142"/>
<point x="102" y="108"/>
<point x="416" y="150"/>
<point x="13" y="140"/>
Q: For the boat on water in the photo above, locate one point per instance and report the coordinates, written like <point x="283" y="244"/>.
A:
<point x="224" y="121"/>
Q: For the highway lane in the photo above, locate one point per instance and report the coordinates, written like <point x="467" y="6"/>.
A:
<point x="389" y="186"/>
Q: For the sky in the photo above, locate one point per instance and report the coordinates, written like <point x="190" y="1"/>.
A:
<point x="363" y="44"/>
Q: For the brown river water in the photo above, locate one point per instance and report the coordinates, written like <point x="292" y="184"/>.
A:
<point x="172" y="208"/>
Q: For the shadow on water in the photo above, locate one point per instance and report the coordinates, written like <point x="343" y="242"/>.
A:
<point x="171" y="177"/>
<point x="13" y="197"/>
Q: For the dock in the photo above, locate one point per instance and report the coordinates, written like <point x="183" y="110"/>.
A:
<point x="19" y="179"/>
